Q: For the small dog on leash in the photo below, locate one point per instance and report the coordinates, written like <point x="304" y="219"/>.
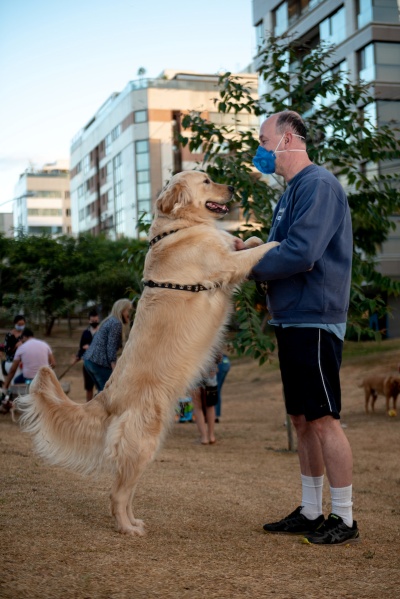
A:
<point x="190" y="273"/>
<point x="386" y="385"/>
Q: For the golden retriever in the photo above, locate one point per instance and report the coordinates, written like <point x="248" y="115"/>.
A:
<point x="191" y="270"/>
<point x="386" y="385"/>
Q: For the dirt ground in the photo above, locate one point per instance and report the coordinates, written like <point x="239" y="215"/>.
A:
<point x="204" y="506"/>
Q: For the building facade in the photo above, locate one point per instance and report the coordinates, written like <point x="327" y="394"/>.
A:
<point x="366" y="36"/>
<point x="42" y="201"/>
<point x="6" y="224"/>
<point x="127" y="152"/>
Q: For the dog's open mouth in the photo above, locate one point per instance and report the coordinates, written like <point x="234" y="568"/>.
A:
<point x="219" y="208"/>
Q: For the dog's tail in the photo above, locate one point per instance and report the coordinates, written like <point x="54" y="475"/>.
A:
<point x="64" y="432"/>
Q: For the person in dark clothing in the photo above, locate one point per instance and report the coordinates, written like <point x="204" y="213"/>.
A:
<point x="308" y="287"/>
<point x="86" y="340"/>
<point x="12" y="341"/>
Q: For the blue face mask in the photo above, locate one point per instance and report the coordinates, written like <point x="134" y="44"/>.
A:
<point x="264" y="160"/>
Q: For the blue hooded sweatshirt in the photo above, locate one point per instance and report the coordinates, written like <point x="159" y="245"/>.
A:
<point x="309" y="274"/>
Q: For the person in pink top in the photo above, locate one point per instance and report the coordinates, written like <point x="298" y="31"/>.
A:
<point x="33" y="354"/>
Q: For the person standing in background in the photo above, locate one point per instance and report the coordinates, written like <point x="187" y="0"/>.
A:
<point x="86" y="340"/>
<point x="224" y="366"/>
<point x="12" y="341"/>
<point x="101" y="356"/>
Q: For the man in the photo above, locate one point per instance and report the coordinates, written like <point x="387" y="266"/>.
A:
<point x="308" y="285"/>
<point x="86" y="340"/>
<point x="33" y="354"/>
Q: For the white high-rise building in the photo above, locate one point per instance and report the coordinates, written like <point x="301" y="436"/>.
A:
<point x="42" y="200"/>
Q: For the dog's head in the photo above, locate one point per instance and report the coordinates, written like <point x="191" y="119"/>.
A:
<point x="192" y="194"/>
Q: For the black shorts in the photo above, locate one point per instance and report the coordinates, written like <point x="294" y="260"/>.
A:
<point x="310" y="361"/>
<point x="88" y="382"/>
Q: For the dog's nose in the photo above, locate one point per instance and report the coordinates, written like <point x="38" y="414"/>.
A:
<point x="231" y="188"/>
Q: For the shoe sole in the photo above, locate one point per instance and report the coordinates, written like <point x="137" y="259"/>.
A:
<point x="347" y="542"/>
<point x="282" y="532"/>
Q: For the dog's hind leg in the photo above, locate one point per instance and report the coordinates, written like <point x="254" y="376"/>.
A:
<point x="121" y="495"/>
<point x="124" y="488"/>
<point x="129" y="510"/>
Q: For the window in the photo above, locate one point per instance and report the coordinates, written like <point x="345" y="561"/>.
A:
<point x="387" y="61"/>
<point x="115" y="133"/>
<point x="281" y="19"/>
<point x="289" y="12"/>
<point x="107" y="144"/>
<point x="44" y="230"/>
<point x="119" y="214"/>
<point x="367" y="63"/>
<point x="143" y="186"/>
<point x="381" y="11"/>
<point x="342" y="70"/>
<point x="140" y="116"/>
<point x="44" y="212"/>
<point x="380" y="62"/>
<point x="260" y="34"/>
<point x="86" y="164"/>
<point x="333" y="29"/>
<point x="388" y="111"/>
<point x="370" y="116"/>
<point x="45" y="194"/>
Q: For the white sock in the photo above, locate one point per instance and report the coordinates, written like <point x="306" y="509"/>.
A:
<point x="311" y="500"/>
<point x="342" y="503"/>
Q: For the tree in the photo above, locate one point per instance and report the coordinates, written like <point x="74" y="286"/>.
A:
<point x="341" y="137"/>
<point x="48" y="278"/>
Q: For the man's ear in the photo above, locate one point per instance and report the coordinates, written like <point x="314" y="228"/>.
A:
<point x="173" y="197"/>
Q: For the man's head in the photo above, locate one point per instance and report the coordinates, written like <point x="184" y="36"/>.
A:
<point x="27" y="334"/>
<point x="284" y="134"/>
<point x="93" y="318"/>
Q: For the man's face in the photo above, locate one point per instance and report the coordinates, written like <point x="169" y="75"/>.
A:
<point x="94" y="321"/>
<point x="270" y="140"/>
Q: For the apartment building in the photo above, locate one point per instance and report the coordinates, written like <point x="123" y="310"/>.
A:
<point x="6" y="224"/>
<point x="42" y="200"/>
<point x="127" y="151"/>
<point x="366" y="36"/>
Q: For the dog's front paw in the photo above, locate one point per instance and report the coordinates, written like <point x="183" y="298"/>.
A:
<point x="253" y="242"/>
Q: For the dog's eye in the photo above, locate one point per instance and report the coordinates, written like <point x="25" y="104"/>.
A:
<point x="207" y="181"/>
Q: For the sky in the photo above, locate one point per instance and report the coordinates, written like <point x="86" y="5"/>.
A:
<point x="60" y="61"/>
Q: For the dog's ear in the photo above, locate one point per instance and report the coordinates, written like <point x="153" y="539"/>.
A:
<point x="173" y="197"/>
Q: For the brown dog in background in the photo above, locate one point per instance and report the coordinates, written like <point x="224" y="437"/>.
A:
<point x="386" y="385"/>
<point x="190" y="273"/>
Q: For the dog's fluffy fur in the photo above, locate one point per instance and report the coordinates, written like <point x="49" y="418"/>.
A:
<point x="386" y="385"/>
<point x="171" y="342"/>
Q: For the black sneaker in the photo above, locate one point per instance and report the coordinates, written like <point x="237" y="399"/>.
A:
<point x="334" y="532"/>
<point x="295" y="524"/>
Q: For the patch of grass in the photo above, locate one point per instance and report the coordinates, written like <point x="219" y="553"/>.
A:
<point x="357" y="349"/>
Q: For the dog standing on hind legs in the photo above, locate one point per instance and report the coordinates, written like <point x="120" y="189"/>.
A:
<point x="190" y="273"/>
